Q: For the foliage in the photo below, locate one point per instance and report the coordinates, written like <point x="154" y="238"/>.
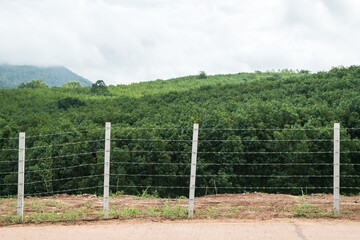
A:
<point x="37" y="83"/>
<point x="70" y="102"/>
<point x="308" y="209"/>
<point x="99" y="88"/>
<point x="202" y="75"/>
<point x="72" y="84"/>
<point x="266" y="100"/>
<point x="12" y="75"/>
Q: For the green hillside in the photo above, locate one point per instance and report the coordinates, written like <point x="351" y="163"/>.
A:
<point x="239" y="101"/>
<point x="12" y="75"/>
<point x="195" y="82"/>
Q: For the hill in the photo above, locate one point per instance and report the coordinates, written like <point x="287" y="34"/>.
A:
<point x="12" y="75"/>
<point x="265" y="101"/>
<point x="195" y="82"/>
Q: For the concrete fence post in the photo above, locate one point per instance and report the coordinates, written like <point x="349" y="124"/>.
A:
<point x="21" y="175"/>
<point x="193" y="170"/>
<point x="107" y="168"/>
<point x="336" y="169"/>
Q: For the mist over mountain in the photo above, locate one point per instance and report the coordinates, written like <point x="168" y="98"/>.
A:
<point x="12" y="75"/>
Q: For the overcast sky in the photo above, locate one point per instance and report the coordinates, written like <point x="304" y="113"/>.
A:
<point x="125" y="41"/>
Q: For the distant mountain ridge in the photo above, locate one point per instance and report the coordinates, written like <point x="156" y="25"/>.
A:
<point x="12" y="75"/>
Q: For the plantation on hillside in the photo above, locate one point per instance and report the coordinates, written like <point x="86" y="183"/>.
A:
<point x="239" y="101"/>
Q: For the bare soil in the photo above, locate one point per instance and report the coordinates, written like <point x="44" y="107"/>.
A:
<point x="248" y="206"/>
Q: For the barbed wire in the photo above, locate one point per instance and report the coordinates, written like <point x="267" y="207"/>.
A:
<point x="11" y="138"/>
<point x="8" y="184"/>
<point x="231" y="175"/>
<point x="5" y="173"/>
<point x="221" y="187"/>
<point x="268" y="140"/>
<point x="223" y="140"/>
<point x="224" y="152"/>
<point x="9" y="161"/>
<point x="8" y="149"/>
<point x="60" y="191"/>
<point x="236" y="164"/>
<point x="132" y="186"/>
<point x="61" y="168"/>
<point x="65" y="133"/>
<point x="140" y="151"/>
<point x="148" y="175"/>
<point x="269" y="164"/>
<point x="64" y="144"/>
<point x="63" y="156"/>
<point x="150" y="140"/>
<point x="266" y="129"/>
<point x="63" y="179"/>
<point x="151" y="163"/>
<point x="149" y="128"/>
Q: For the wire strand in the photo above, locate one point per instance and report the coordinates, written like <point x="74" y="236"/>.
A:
<point x="233" y="175"/>
<point x="64" y="144"/>
<point x="8" y="149"/>
<point x="63" y="179"/>
<point x="152" y="163"/>
<point x="266" y="129"/>
<point x="64" y="133"/>
<point x="60" y="191"/>
<point x="144" y="128"/>
<point x="62" y="168"/>
<point x="223" y="152"/>
<point x="135" y="151"/>
<point x="150" y="140"/>
<point x="63" y="156"/>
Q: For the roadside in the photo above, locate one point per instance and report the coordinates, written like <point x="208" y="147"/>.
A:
<point x="191" y="229"/>
<point x="73" y="209"/>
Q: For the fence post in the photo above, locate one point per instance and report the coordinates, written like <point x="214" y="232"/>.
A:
<point x="21" y="173"/>
<point x="336" y="169"/>
<point x="193" y="170"/>
<point x="107" y="168"/>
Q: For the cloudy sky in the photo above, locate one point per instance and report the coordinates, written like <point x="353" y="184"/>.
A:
<point x="125" y="41"/>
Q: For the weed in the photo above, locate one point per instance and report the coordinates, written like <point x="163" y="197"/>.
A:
<point x="50" y="204"/>
<point x="145" y="194"/>
<point x="12" y="219"/>
<point x="172" y="211"/>
<point x="118" y="193"/>
<point x="182" y="197"/>
<point x="36" y="206"/>
<point x="89" y="204"/>
<point x="307" y="209"/>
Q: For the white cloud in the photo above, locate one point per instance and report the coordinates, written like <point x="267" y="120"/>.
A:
<point x="138" y="40"/>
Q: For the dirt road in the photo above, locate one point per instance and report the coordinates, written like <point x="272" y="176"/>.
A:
<point x="274" y="229"/>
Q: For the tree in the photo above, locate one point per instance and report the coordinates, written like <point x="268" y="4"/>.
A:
<point x="70" y="102"/>
<point x="37" y="83"/>
<point x="72" y="84"/>
<point x="202" y="75"/>
<point x="99" y="88"/>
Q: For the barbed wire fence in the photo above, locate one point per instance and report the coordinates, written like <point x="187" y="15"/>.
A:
<point x="166" y="162"/>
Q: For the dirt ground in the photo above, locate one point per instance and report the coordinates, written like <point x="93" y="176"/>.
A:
<point x="226" y="216"/>
<point x="248" y="206"/>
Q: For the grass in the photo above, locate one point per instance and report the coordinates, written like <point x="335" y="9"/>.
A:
<point x="309" y="210"/>
<point x="39" y="212"/>
<point x="42" y="210"/>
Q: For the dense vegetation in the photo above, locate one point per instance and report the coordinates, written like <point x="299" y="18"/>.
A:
<point x="12" y="75"/>
<point x="272" y="100"/>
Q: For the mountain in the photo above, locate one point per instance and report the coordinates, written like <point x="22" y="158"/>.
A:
<point x="12" y="75"/>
